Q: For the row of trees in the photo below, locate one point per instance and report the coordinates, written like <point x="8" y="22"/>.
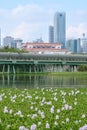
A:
<point x="82" y="68"/>
<point x="7" y="49"/>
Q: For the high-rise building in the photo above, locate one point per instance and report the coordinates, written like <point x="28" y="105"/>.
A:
<point x="18" y="43"/>
<point x="73" y="45"/>
<point x="0" y="36"/>
<point x="8" y="41"/>
<point x="60" y="28"/>
<point x="51" y="34"/>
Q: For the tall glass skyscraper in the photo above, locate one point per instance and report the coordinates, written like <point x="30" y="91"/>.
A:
<point x="51" y="34"/>
<point x="60" y="28"/>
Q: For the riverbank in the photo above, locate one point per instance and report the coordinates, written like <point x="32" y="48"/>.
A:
<point x="50" y="73"/>
<point x="68" y="73"/>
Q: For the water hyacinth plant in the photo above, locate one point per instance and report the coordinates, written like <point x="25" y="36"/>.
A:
<point x="43" y="108"/>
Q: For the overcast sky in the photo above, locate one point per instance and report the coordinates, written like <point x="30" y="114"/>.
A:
<point x="30" y="19"/>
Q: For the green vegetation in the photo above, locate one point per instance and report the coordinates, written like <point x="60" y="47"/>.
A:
<point x="41" y="109"/>
<point x="68" y="73"/>
<point x="82" y="68"/>
<point x="6" y="49"/>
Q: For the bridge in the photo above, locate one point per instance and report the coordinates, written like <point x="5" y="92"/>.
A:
<point x="28" y="63"/>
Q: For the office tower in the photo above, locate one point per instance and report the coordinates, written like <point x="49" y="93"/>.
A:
<point x="60" y="28"/>
<point x="8" y="41"/>
<point x="18" y="43"/>
<point x="84" y="43"/>
<point x="51" y="34"/>
<point x="73" y="45"/>
<point x="0" y="36"/>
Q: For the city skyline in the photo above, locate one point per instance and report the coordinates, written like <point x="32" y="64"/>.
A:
<point x="30" y="20"/>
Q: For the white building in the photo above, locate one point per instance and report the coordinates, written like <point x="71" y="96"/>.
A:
<point x="84" y="45"/>
<point x="10" y="42"/>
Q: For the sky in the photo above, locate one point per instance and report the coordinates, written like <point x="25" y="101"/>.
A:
<point x="30" y="19"/>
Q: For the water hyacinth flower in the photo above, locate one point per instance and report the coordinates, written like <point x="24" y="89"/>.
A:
<point x="55" y="123"/>
<point x="55" y="93"/>
<point x="0" y="98"/>
<point x="19" y="113"/>
<point x="8" y="126"/>
<point x="66" y="106"/>
<point x="83" y="116"/>
<point x="34" y="116"/>
<point x="64" y="101"/>
<point x="33" y="127"/>
<point x="58" y="110"/>
<point x="52" y="109"/>
<point x="42" y="116"/>
<point x="22" y="99"/>
<point x="77" y="92"/>
<point x="83" y="127"/>
<point x="70" y="107"/>
<point x="76" y="122"/>
<point x="31" y="107"/>
<point x="47" y="125"/>
<point x="75" y="103"/>
<point x="55" y="99"/>
<point x="36" y="97"/>
<point x="72" y="92"/>
<point x="67" y="120"/>
<point x="48" y="103"/>
<point x="5" y="110"/>
<point x="39" y="123"/>
<point x="79" y="121"/>
<point x="57" y="117"/>
<point x="43" y="99"/>
<point x="10" y="111"/>
<point x="28" y="96"/>
<point x="0" y="120"/>
<point x="41" y="104"/>
<point x="22" y="128"/>
<point x="62" y="108"/>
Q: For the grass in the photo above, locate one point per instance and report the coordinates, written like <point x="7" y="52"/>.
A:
<point x="55" y="108"/>
<point x="69" y="73"/>
<point x="51" y="73"/>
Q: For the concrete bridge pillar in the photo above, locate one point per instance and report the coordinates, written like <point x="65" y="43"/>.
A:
<point x="13" y="69"/>
<point x="75" y="68"/>
<point x="60" y="68"/>
<point x="3" y="68"/>
<point x="71" y="68"/>
<point x="8" y="69"/>
<point x="30" y="68"/>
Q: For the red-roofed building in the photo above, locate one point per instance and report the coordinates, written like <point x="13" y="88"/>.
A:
<point x="43" y="48"/>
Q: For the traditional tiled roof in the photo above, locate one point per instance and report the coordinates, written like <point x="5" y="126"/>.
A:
<point x="43" y="47"/>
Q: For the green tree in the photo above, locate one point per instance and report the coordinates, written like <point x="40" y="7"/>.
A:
<point x="82" y="68"/>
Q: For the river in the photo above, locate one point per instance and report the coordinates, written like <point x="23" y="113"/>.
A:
<point x="34" y="81"/>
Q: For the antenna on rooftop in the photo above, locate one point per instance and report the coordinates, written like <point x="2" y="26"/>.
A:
<point x="83" y="35"/>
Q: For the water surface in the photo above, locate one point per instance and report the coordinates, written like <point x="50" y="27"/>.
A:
<point x="34" y="81"/>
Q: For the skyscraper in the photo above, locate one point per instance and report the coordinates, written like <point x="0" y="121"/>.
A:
<point x="8" y="41"/>
<point x="0" y="36"/>
<point x="51" y="34"/>
<point x="73" y="45"/>
<point x="60" y="28"/>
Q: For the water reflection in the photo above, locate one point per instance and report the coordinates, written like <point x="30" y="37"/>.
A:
<point x="34" y="81"/>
